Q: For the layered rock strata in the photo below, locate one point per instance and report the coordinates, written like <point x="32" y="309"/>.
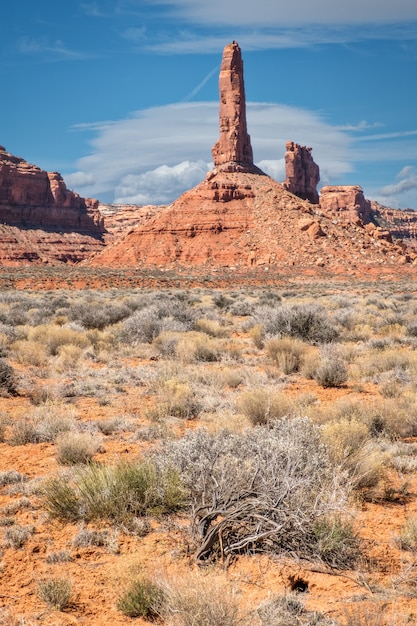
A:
<point x="302" y="173"/>
<point x="31" y="197"/>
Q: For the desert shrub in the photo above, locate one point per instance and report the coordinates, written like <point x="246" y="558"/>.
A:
<point x="44" y="423"/>
<point x="29" y="352"/>
<point x="56" y="593"/>
<point x="407" y="539"/>
<point x="213" y="328"/>
<point x="7" y="377"/>
<point x="265" y="491"/>
<point x="199" y="599"/>
<point x="86" y="538"/>
<point x="287" y="353"/>
<point x="16" y="536"/>
<point x="308" y="322"/>
<point x="147" y="323"/>
<point x="11" y="477"/>
<point x="260" y="405"/>
<point x="119" y="492"/>
<point x="142" y="598"/>
<point x="331" y="371"/>
<point x="177" y="399"/>
<point x="98" y="314"/>
<point x="53" y="337"/>
<point x="288" y="610"/>
<point x="75" y="448"/>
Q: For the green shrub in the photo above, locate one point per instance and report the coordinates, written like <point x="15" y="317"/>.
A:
<point x="57" y="593"/>
<point x="116" y="493"/>
<point x="337" y="543"/>
<point x="142" y="598"/>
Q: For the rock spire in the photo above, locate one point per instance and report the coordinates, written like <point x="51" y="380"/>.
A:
<point x="302" y="173"/>
<point x="233" y="150"/>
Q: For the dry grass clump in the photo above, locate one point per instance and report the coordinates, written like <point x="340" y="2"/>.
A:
<point x="407" y="539"/>
<point x="16" y="536"/>
<point x="175" y="399"/>
<point x="44" y="423"/>
<point x="75" y="448"/>
<point x="288" y="610"/>
<point x="198" y="347"/>
<point x="29" y="352"/>
<point x="287" y="353"/>
<point x="53" y="337"/>
<point x="142" y="598"/>
<point x="213" y="328"/>
<point x="261" y="405"/>
<point x="199" y="599"/>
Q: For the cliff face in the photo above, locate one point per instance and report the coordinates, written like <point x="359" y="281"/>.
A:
<point x="41" y="221"/>
<point x="346" y="202"/>
<point x="31" y="197"/>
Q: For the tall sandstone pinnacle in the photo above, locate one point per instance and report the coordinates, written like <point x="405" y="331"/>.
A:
<point x="233" y="150"/>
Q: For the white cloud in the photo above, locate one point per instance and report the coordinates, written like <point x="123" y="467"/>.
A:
<point x="279" y="13"/>
<point x="79" y="179"/>
<point x="403" y="192"/>
<point x="157" y="153"/>
<point x="161" y="185"/>
<point x="51" y="50"/>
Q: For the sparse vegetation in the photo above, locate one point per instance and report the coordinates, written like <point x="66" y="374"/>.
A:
<point x="56" y="593"/>
<point x="217" y="427"/>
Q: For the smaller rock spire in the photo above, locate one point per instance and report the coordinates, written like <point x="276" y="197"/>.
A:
<point x="233" y="150"/>
<point x="302" y="173"/>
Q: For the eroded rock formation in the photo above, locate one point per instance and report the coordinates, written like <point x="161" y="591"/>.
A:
<point x="302" y="173"/>
<point x="346" y="202"/>
<point x="31" y="197"/>
<point x="233" y="151"/>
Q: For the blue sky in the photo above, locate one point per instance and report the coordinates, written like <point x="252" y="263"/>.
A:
<point x="121" y="96"/>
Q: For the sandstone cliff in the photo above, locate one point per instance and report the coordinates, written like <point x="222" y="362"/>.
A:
<point x="41" y="220"/>
<point x="31" y="197"/>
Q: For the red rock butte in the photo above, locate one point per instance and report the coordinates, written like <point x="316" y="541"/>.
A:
<point x="239" y="216"/>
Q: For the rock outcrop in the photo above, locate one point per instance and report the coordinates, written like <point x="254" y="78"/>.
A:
<point x="346" y="203"/>
<point x="302" y="173"/>
<point x="41" y="221"/>
<point x="31" y="197"/>
<point x="233" y="151"/>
